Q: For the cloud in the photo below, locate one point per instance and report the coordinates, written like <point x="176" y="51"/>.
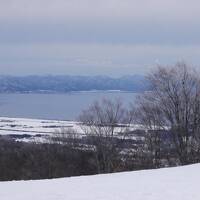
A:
<point x="96" y="36"/>
<point x="105" y="21"/>
<point x="91" y="59"/>
<point x="112" y="33"/>
<point x="95" y="9"/>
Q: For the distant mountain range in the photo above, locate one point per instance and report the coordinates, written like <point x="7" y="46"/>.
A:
<point x="63" y="84"/>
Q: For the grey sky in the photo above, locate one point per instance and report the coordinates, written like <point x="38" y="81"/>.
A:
<point x="113" y="37"/>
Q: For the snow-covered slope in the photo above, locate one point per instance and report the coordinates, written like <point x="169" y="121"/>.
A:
<point x="180" y="183"/>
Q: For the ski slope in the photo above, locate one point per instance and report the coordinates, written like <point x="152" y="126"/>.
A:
<point x="180" y="183"/>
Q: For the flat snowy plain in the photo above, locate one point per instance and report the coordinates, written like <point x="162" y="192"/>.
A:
<point x="38" y="129"/>
<point x="179" y="183"/>
<point x="19" y="126"/>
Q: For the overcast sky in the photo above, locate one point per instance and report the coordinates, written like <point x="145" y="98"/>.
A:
<point x="90" y="37"/>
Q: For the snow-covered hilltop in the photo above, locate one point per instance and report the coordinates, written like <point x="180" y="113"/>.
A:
<point x="179" y="183"/>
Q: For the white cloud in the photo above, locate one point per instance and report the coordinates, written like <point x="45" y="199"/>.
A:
<point x="91" y="58"/>
<point x="96" y="36"/>
<point x="180" y="10"/>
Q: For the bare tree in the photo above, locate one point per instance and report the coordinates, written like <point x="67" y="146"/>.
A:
<point x="173" y="104"/>
<point x="103" y="121"/>
<point x="66" y="136"/>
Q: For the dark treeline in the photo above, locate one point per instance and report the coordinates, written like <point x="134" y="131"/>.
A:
<point x="65" y="156"/>
<point x="23" y="161"/>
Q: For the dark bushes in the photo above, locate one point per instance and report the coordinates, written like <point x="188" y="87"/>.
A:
<point x="40" y="161"/>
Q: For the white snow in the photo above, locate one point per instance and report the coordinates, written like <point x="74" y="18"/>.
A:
<point x="179" y="183"/>
<point x="21" y="126"/>
<point x="33" y="127"/>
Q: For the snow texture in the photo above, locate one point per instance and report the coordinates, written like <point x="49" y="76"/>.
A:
<point x="179" y="183"/>
<point x="21" y="126"/>
<point x="34" y="127"/>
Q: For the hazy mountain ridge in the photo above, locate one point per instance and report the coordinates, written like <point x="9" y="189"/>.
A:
<point x="62" y="84"/>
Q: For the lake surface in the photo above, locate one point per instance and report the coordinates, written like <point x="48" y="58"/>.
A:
<point x="54" y="106"/>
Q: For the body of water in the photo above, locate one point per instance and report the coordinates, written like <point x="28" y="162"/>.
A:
<point x="54" y="106"/>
